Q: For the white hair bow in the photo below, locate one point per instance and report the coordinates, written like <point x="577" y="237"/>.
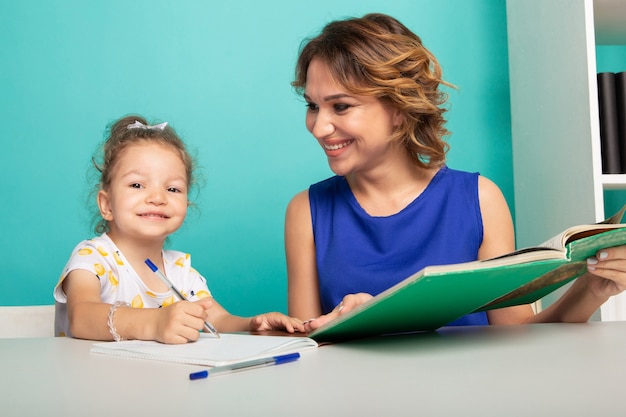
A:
<point x="139" y="125"/>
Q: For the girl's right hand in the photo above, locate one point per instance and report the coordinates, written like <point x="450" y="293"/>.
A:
<point x="182" y="321"/>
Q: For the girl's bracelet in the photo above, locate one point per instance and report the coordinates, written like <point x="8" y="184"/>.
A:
<point x="112" y="330"/>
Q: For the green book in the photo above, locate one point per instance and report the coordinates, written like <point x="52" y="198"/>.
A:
<point x="438" y="295"/>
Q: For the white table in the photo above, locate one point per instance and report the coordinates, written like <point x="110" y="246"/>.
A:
<point x="535" y="370"/>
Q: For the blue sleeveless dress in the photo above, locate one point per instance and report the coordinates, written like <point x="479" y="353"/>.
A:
<point x="356" y="252"/>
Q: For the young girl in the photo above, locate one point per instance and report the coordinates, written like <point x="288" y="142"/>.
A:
<point x="106" y="291"/>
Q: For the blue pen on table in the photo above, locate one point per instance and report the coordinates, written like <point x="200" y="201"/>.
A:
<point x="242" y="366"/>
<point x="179" y="294"/>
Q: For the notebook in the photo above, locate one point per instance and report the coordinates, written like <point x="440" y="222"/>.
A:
<point x="230" y="348"/>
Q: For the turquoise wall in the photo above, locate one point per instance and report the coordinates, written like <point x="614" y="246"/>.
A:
<point x="219" y="72"/>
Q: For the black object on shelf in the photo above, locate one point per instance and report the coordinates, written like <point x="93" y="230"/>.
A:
<point x="620" y="111"/>
<point x="609" y="130"/>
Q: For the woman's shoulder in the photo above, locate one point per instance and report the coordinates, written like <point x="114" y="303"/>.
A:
<point x="449" y="179"/>
<point x="328" y="183"/>
<point x="322" y="188"/>
<point x="457" y="173"/>
<point x="487" y="188"/>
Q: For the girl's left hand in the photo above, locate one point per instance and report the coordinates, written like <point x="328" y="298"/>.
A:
<point x="276" y="321"/>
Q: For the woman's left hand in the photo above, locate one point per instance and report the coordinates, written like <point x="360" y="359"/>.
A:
<point x="348" y="303"/>
<point x="608" y="272"/>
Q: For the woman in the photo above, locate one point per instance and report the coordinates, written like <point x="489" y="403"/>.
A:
<point x="394" y="207"/>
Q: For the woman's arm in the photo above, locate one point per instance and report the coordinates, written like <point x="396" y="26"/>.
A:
<point x="303" y="290"/>
<point x="498" y="239"/>
<point x="606" y="277"/>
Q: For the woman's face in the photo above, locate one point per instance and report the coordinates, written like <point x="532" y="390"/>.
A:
<point x="352" y="130"/>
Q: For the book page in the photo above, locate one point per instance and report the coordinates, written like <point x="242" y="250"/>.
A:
<point x="580" y="231"/>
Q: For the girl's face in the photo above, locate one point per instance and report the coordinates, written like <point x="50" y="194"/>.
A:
<point x="352" y="130"/>
<point x="147" y="197"/>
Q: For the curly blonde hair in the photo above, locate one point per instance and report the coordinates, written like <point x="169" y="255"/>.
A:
<point x="378" y="56"/>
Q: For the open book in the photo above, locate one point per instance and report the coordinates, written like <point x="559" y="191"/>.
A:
<point x="438" y="295"/>
<point x="230" y="348"/>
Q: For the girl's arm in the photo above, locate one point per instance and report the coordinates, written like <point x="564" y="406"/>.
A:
<point x="88" y="315"/>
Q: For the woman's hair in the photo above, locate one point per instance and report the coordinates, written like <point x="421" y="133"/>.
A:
<point x="131" y="130"/>
<point x="378" y="56"/>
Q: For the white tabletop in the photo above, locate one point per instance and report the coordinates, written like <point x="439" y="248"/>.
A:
<point x="535" y="370"/>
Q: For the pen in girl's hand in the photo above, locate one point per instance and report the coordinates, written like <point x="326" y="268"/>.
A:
<point x="179" y="294"/>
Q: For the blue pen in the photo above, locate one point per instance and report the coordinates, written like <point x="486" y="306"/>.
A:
<point x="242" y="366"/>
<point x="179" y="294"/>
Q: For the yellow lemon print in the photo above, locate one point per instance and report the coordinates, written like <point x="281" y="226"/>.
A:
<point x="102" y="252"/>
<point x="137" y="302"/>
<point x="150" y="294"/>
<point x="118" y="259"/>
<point x="180" y="262"/>
<point x="202" y="294"/>
<point x="113" y="279"/>
<point x="85" y="251"/>
<point x="168" y="301"/>
<point x="99" y="269"/>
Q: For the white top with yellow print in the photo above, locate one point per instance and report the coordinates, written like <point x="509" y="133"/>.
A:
<point x="120" y="282"/>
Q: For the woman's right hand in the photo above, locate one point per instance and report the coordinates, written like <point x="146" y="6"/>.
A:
<point x="348" y="303"/>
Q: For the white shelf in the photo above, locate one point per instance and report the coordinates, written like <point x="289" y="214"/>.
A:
<point x="614" y="181"/>
<point x="609" y="18"/>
